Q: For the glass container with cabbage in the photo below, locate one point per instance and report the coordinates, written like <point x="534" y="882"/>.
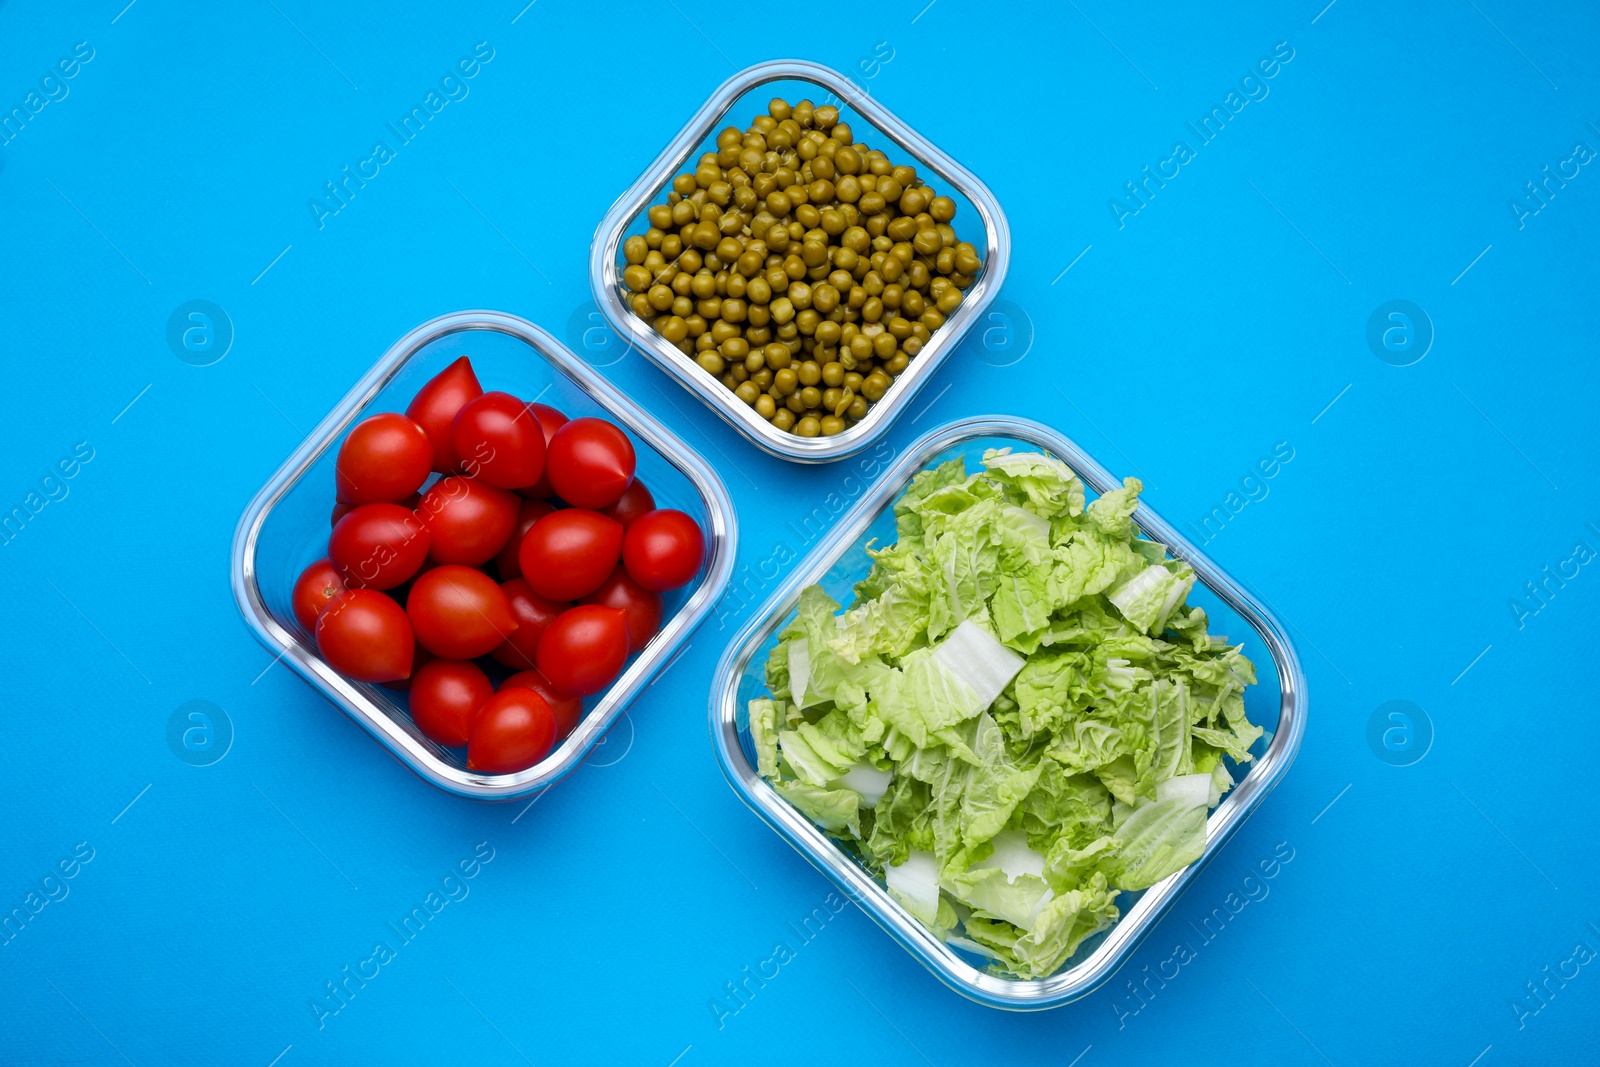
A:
<point x="1017" y="719"/>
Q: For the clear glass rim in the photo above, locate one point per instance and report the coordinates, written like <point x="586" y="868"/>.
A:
<point x="400" y="738"/>
<point x="991" y="990"/>
<point x="609" y="235"/>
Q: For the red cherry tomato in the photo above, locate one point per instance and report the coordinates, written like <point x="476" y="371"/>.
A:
<point x="584" y="648"/>
<point x="364" y="635"/>
<point x="514" y="730"/>
<point x="459" y="613"/>
<point x="635" y="501"/>
<point x="590" y="463"/>
<point x="568" y="553"/>
<point x="383" y="460"/>
<point x="316" y="586"/>
<point x="435" y="406"/>
<point x="663" y="549"/>
<point x="470" y="521"/>
<point x="550" y="420"/>
<point x="568" y="710"/>
<point x="533" y="613"/>
<point x="642" y="606"/>
<point x="378" y="546"/>
<point x="499" y="441"/>
<point x="445" y="696"/>
<point x="506" y="563"/>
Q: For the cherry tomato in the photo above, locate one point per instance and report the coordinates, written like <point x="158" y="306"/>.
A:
<point x="642" y="606"/>
<point x="506" y="563"/>
<point x="499" y="440"/>
<point x="317" y="584"/>
<point x="514" y="730"/>
<point x="364" y="635"/>
<point x="635" y="501"/>
<point x="550" y="420"/>
<point x="378" y="545"/>
<point x="568" y="553"/>
<point x="459" y="612"/>
<point x="590" y="463"/>
<point x="533" y="613"/>
<point x="568" y="710"/>
<point x="445" y="696"/>
<point x="383" y="460"/>
<point x="470" y="521"/>
<point x="435" y="406"/>
<point x="583" y="649"/>
<point x="663" y="549"/>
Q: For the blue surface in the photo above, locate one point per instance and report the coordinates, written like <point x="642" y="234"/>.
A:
<point x="1228" y="314"/>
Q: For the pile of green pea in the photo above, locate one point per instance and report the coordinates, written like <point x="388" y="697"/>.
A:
<point x="801" y="269"/>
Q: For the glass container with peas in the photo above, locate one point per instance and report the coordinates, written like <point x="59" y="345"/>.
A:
<point x="792" y="274"/>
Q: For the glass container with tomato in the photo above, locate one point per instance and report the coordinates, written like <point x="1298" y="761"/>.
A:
<point x="473" y="604"/>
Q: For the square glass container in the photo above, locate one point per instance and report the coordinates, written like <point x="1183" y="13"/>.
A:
<point x="285" y="528"/>
<point x="1277" y="703"/>
<point x="739" y="100"/>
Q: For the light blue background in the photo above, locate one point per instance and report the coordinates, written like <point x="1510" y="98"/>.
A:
<point x="1223" y="318"/>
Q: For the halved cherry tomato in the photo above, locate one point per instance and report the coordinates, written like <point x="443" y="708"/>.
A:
<point x="590" y="463"/>
<point x="470" y="521"/>
<point x="568" y="553"/>
<point x="663" y="549"/>
<point x="378" y="545"/>
<point x="364" y="635"/>
<point x="583" y="649"/>
<point x="445" y="696"/>
<point x="435" y="405"/>
<point x="506" y="563"/>
<point x="550" y="420"/>
<point x="533" y="613"/>
<point x="642" y="606"/>
<point x="514" y="729"/>
<point x="317" y="585"/>
<point x="383" y="460"/>
<point x="459" y="612"/>
<point x="499" y="441"/>
<point x="568" y="710"/>
<point x="635" y="501"/>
